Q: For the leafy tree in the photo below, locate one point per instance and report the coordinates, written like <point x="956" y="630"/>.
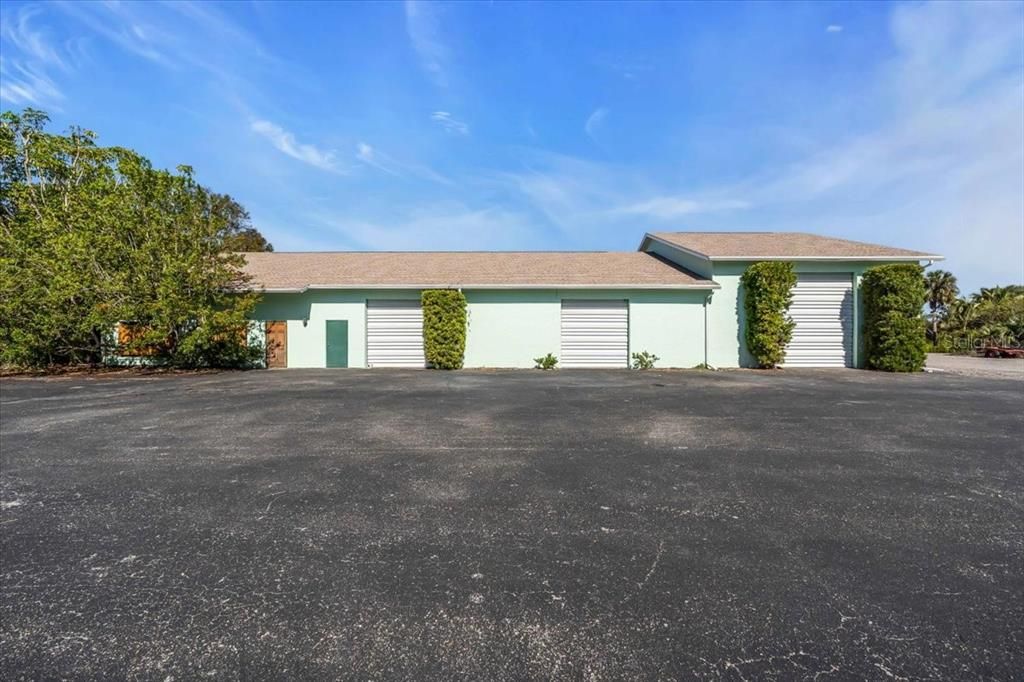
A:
<point x="997" y="294"/>
<point x="51" y="253"/>
<point x="238" y="233"/>
<point x="959" y="316"/>
<point x="998" y="316"/>
<point x="991" y="316"/>
<point x="941" y="289"/>
<point x="91" y="236"/>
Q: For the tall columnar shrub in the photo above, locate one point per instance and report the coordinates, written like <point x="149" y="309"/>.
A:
<point x="444" y="328"/>
<point x="767" y="294"/>
<point x="894" y="326"/>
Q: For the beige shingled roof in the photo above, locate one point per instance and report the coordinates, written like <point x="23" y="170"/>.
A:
<point x="282" y="271"/>
<point x="783" y="245"/>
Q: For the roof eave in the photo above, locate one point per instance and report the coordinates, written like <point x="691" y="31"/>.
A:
<point x="648" y="286"/>
<point x="827" y="258"/>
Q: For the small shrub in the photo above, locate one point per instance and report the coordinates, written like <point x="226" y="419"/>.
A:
<point x="703" y="365"/>
<point x="644" y="360"/>
<point x="547" y="362"/>
<point x="768" y="292"/>
<point x="444" y="328"/>
<point x="894" y="326"/>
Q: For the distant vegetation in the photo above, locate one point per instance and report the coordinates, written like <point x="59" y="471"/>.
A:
<point x="92" y="236"/>
<point x="993" y="316"/>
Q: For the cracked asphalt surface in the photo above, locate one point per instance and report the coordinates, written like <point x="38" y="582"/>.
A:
<point x="502" y="525"/>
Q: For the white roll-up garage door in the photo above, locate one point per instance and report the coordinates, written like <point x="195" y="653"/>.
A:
<point x="394" y="334"/>
<point x="595" y="334"/>
<point x="823" y="312"/>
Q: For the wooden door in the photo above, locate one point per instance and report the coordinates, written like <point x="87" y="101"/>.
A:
<point x="277" y="343"/>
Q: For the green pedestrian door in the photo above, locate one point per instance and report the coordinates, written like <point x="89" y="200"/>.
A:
<point x="337" y="343"/>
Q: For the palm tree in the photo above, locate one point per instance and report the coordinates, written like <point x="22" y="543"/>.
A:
<point x="960" y="314"/>
<point x="997" y="294"/>
<point x="941" y="292"/>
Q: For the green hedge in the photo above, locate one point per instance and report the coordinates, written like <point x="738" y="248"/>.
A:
<point x="444" y="328"/>
<point x="894" y="327"/>
<point x="767" y="294"/>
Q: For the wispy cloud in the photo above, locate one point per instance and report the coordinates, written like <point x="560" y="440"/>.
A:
<point x="594" y="203"/>
<point x="28" y="57"/>
<point x="206" y="16"/>
<point x="423" y="25"/>
<point x="124" y="27"/>
<point x="368" y="155"/>
<point x="669" y="208"/>
<point x="943" y="168"/>
<point x="585" y="202"/>
<point x="375" y="158"/>
<point x="629" y="65"/>
<point x="595" y="120"/>
<point x="25" y="84"/>
<point x="445" y="225"/>
<point x="32" y="43"/>
<point x="833" y="28"/>
<point x="450" y="123"/>
<point x="285" y="142"/>
<point x="183" y="36"/>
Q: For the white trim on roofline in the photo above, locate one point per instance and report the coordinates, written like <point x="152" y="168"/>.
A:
<point x="300" y="290"/>
<point x="703" y="256"/>
<point x="886" y="259"/>
<point x="648" y="235"/>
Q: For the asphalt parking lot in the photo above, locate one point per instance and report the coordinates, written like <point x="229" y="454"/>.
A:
<point x="501" y="525"/>
<point x="970" y="365"/>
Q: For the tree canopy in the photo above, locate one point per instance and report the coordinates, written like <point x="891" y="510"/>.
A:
<point x="238" y="234"/>
<point x="92" y="236"/>
<point x="992" y="316"/>
<point x="941" y="289"/>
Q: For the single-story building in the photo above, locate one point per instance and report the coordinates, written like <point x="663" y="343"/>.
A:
<point x="678" y="296"/>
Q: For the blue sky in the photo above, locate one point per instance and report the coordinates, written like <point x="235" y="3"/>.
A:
<point x="561" y="125"/>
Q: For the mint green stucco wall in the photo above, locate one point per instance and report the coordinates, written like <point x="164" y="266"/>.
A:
<point x="506" y="328"/>
<point x="726" y="319"/>
<point x="669" y="324"/>
<point x="511" y="328"/>
<point x="307" y="316"/>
